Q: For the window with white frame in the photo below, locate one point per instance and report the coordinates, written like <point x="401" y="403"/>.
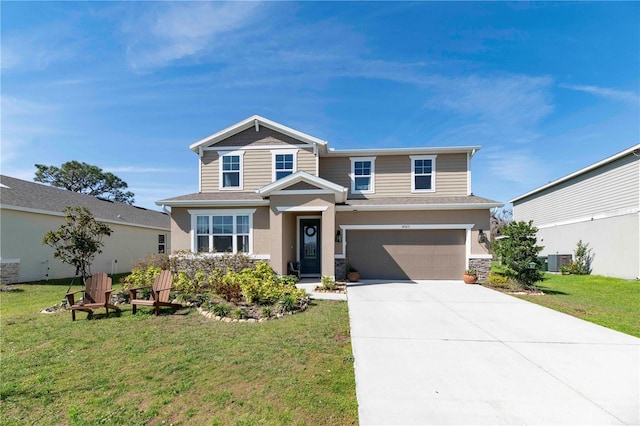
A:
<point x="231" y="170"/>
<point x="222" y="231"/>
<point x="284" y="163"/>
<point x="423" y="173"/>
<point x="362" y="175"/>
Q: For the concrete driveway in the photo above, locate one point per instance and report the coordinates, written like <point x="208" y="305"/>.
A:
<point x="442" y="352"/>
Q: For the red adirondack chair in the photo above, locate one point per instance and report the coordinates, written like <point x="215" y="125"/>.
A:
<point x="160" y="292"/>
<point x="97" y="294"/>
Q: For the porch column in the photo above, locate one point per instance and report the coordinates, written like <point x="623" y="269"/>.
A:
<point x="328" y="237"/>
<point x="275" y="225"/>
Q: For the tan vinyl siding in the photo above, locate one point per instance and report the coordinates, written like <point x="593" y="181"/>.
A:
<point x="265" y="136"/>
<point x="257" y="168"/>
<point x="611" y="188"/>
<point x="393" y="175"/>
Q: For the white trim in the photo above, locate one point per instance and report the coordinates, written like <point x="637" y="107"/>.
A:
<point x="406" y="227"/>
<point x="212" y="203"/>
<point x="301" y="176"/>
<point x="413" y="172"/>
<point x="480" y="256"/>
<point x="469" y="191"/>
<point x="258" y="147"/>
<point x="200" y="155"/>
<point x="219" y="212"/>
<point x="302" y="208"/>
<point x="372" y="175"/>
<point x="403" y="207"/>
<point x="221" y="155"/>
<point x="9" y="260"/>
<point x="467" y="248"/>
<point x="250" y="122"/>
<point x="402" y="151"/>
<point x="580" y="172"/>
<point x="293" y="152"/>
<point x="99" y="219"/>
<point x="599" y="216"/>
<point x="302" y="192"/>
<point x="340" y="256"/>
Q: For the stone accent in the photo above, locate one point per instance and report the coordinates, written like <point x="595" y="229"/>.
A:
<point x="482" y="267"/>
<point x="9" y="271"/>
<point x="341" y="269"/>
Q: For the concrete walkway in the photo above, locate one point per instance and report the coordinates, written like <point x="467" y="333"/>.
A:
<point x="442" y="352"/>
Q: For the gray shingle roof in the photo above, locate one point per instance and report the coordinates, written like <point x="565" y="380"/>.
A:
<point x="30" y="195"/>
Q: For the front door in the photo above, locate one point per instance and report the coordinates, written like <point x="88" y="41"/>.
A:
<point x="310" y="247"/>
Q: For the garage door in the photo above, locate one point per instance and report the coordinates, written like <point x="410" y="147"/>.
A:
<point x="407" y="254"/>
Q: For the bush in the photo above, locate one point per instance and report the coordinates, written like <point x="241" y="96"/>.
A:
<point x="221" y="310"/>
<point x="328" y="283"/>
<point x="497" y="280"/>
<point x="583" y="258"/>
<point x="191" y="285"/>
<point x="519" y="251"/>
<point x="141" y="277"/>
<point x="263" y="286"/>
<point x="157" y="260"/>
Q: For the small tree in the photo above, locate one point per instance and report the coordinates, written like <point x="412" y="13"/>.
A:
<point x="518" y="251"/>
<point x="77" y="241"/>
<point x="583" y="258"/>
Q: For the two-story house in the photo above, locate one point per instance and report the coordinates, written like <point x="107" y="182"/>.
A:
<point x="282" y="195"/>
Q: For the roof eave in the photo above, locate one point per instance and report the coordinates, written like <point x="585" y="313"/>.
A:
<point x="403" y="151"/>
<point x="400" y="207"/>
<point x="248" y="123"/>
<point x="205" y="203"/>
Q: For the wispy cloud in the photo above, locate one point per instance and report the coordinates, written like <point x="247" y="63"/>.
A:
<point x="139" y="169"/>
<point x="515" y="166"/>
<point x="175" y="31"/>
<point x="604" y="92"/>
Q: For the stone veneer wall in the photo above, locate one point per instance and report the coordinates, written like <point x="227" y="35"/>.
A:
<point x="9" y="271"/>
<point x="341" y="269"/>
<point x="482" y="267"/>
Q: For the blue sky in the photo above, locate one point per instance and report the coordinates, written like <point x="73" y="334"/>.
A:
<point x="544" y="88"/>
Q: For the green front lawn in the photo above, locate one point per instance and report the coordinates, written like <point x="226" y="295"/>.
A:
<point x="610" y="302"/>
<point x="180" y="369"/>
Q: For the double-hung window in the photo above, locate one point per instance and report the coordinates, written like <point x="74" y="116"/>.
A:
<point x="222" y="231"/>
<point x="423" y="173"/>
<point x="231" y="170"/>
<point x="284" y="163"/>
<point x="362" y="175"/>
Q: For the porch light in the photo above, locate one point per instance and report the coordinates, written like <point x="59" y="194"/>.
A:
<point x="482" y="237"/>
<point x="338" y="236"/>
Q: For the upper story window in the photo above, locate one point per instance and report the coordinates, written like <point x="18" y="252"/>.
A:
<point x="423" y="175"/>
<point x="222" y="231"/>
<point x="363" y="175"/>
<point x="284" y="163"/>
<point x="231" y="170"/>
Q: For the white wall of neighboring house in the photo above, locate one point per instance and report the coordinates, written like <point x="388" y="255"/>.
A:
<point x="21" y="235"/>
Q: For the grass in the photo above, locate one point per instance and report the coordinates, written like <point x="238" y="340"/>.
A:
<point x="179" y="369"/>
<point x="610" y="302"/>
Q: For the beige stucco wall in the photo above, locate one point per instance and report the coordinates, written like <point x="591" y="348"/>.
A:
<point x="21" y="235"/>
<point x="181" y="228"/>
<point x="479" y="218"/>
<point x="393" y="175"/>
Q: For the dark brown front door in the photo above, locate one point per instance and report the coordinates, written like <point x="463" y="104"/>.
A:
<point x="310" y="246"/>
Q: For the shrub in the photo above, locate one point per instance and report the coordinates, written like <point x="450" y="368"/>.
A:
<point x="583" y="257"/>
<point x="289" y="279"/>
<point x="226" y="286"/>
<point x="140" y="277"/>
<point x="157" y="260"/>
<point x="266" y="312"/>
<point x="328" y="283"/>
<point x="191" y="285"/>
<point x="263" y="286"/>
<point x="519" y="251"/>
<point x="221" y="310"/>
<point x="287" y="303"/>
<point x="497" y="280"/>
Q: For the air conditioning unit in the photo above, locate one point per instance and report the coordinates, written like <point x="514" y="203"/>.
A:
<point x="557" y="261"/>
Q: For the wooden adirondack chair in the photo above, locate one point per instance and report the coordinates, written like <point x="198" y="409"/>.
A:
<point x="160" y="292"/>
<point x="97" y="294"/>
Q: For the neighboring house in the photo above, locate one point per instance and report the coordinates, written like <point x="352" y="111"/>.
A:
<point x="282" y="195"/>
<point x="28" y="210"/>
<point x="599" y="205"/>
